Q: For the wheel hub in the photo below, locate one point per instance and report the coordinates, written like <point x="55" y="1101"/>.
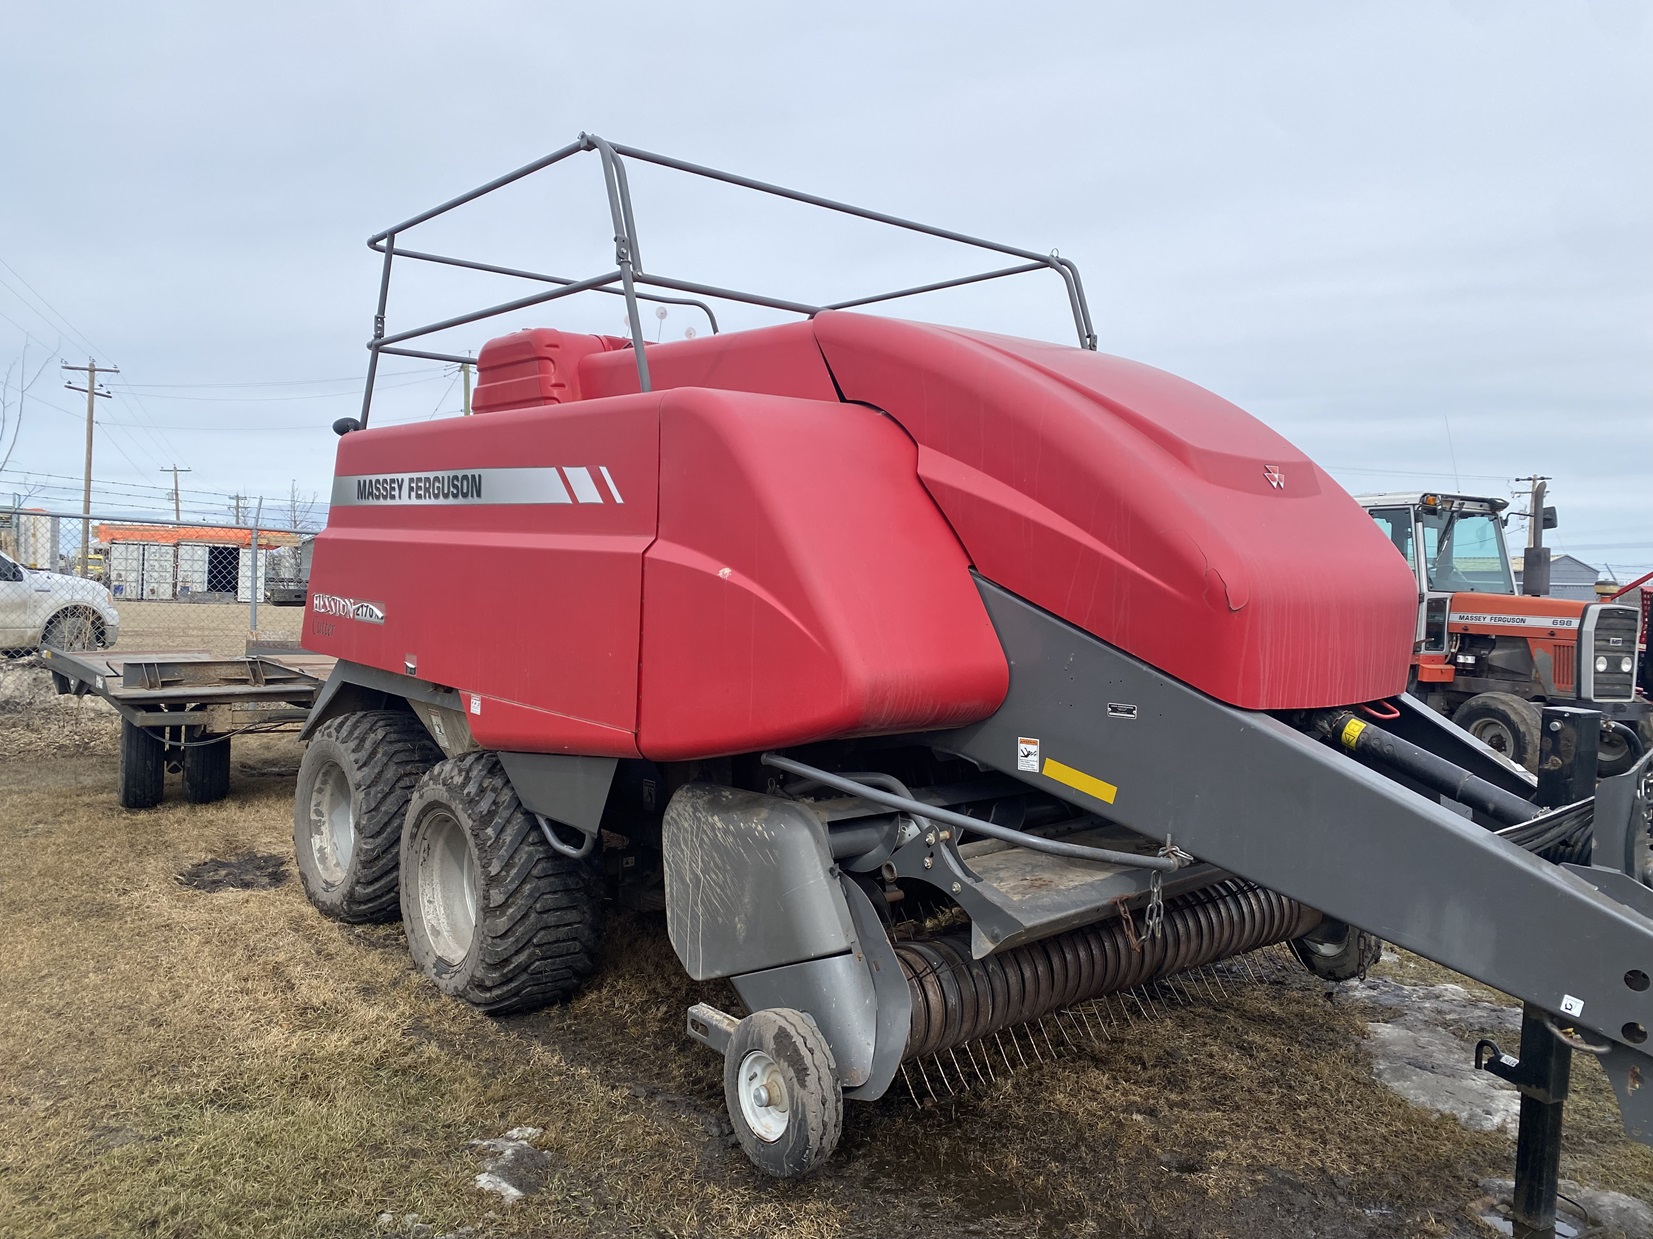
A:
<point x="1495" y="735"/>
<point x="763" y="1101"/>
<point x="445" y="883"/>
<point x="332" y="825"/>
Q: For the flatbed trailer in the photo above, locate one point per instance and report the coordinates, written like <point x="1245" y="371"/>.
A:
<point x="180" y="708"/>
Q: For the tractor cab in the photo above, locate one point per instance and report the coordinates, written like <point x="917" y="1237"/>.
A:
<point x="1490" y="657"/>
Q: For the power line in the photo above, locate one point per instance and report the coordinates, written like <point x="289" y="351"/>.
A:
<point x="343" y="378"/>
<point x="325" y="395"/>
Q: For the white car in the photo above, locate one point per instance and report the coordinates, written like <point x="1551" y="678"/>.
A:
<point x="49" y="608"/>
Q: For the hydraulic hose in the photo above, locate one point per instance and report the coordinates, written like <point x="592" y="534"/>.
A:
<point x="1376" y="747"/>
<point x="960" y="821"/>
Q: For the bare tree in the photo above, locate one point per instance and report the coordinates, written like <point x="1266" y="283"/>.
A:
<point x="13" y="395"/>
<point x="301" y="509"/>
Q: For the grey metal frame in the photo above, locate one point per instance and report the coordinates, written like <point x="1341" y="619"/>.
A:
<point x="1274" y="805"/>
<point x="628" y="272"/>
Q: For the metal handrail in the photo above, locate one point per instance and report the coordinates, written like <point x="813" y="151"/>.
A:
<point x="629" y="273"/>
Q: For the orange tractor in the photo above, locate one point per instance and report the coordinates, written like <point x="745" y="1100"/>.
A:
<point x="1490" y="658"/>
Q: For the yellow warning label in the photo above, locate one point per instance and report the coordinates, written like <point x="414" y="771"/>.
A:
<point x="1080" y="781"/>
<point x="1351" y="732"/>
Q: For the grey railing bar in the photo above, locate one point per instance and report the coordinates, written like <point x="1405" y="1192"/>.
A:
<point x="499" y="182"/>
<point x="521" y="303"/>
<point x="453" y="358"/>
<point x="936" y="287"/>
<point x="543" y="278"/>
<point x="728" y="294"/>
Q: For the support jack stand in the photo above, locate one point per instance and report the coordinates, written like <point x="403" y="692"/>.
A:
<point x="1566" y="774"/>
<point x="1542" y="1073"/>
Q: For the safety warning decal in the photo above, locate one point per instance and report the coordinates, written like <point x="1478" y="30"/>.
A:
<point x="1027" y="754"/>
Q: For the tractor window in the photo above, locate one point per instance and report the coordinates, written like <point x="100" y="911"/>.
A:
<point x="1465" y="551"/>
<point x="1396" y="524"/>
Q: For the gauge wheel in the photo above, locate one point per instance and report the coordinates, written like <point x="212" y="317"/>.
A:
<point x="1334" y="951"/>
<point x="780" y="1083"/>
<point x="1616" y="752"/>
<point x="1504" y="723"/>
<point x="493" y="914"/>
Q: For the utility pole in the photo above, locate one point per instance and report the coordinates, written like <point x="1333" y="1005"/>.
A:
<point x="177" y="515"/>
<point x="465" y="373"/>
<point x="177" y="507"/>
<point x="91" y="370"/>
<point x="238" y="500"/>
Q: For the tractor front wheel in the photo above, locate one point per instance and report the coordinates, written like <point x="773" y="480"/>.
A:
<point x="1505" y="724"/>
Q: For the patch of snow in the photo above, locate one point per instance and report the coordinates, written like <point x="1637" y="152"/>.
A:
<point x="1416" y="1054"/>
<point x="511" y="1167"/>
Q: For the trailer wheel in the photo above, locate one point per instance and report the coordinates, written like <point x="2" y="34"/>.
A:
<point x="207" y="771"/>
<point x="781" y="1086"/>
<point x="493" y="914"/>
<point x="354" y="784"/>
<point x="142" y="767"/>
<point x="1334" y="951"/>
<point x="1504" y="723"/>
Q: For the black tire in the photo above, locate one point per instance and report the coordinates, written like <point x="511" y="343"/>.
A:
<point x="1504" y="723"/>
<point x="780" y="1050"/>
<point x="142" y="767"/>
<point x="1334" y="951"/>
<point x="1618" y="751"/>
<point x="207" y="771"/>
<point x="354" y="784"/>
<point x="73" y="629"/>
<point x="493" y="915"/>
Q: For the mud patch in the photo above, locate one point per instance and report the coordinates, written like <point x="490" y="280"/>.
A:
<point x="256" y="871"/>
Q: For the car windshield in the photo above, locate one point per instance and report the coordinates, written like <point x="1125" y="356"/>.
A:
<point x="1465" y="551"/>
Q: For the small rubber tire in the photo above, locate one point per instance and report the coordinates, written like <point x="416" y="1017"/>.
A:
<point x="1334" y="951"/>
<point x="1616" y="754"/>
<point x="1504" y="723"/>
<point x="354" y="784"/>
<point x="782" y="1051"/>
<point x="492" y="913"/>
<point x="142" y="767"/>
<point x="207" y="771"/>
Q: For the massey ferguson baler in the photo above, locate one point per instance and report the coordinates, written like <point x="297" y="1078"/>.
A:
<point x="936" y="681"/>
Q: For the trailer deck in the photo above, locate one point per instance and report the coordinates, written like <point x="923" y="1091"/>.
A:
<point x="179" y="708"/>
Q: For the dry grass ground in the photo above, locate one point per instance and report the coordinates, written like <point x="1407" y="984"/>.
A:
<point x="217" y="627"/>
<point x="185" y="1062"/>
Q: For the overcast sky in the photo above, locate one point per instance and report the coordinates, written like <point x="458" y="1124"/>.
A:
<point x="1414" y="238"/>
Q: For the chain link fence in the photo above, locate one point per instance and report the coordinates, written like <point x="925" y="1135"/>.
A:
<point x="148" y="585"/>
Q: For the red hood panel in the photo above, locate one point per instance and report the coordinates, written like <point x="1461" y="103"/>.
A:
<point x="1144" y="509"/>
